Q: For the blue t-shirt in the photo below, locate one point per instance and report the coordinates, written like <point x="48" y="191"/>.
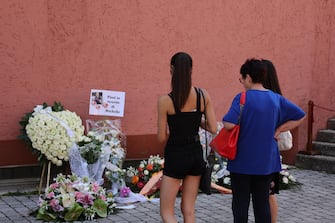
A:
<point x="257" y="149"/>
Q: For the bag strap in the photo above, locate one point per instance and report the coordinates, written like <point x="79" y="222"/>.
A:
<point x="242" y="103"/>
<point x="206" y="152"/>
<point x="197" y="90"/>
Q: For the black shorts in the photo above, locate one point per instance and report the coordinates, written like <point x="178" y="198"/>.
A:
<point x="274" y="185"/>
<point x="183" y="160"/>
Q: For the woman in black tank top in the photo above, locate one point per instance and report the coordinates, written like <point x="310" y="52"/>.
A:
<point x="179" y="118"/>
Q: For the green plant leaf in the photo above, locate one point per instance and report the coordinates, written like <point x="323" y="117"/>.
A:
<point x="100" y="207"/>
<point x="74" y="212"/>
<point x="45" y="216"/>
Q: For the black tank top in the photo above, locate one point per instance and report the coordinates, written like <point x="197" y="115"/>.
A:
<point x="184" y="126"/>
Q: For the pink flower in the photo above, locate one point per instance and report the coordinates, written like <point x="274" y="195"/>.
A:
<point x="103" y="197"/>
<point x="95" y="187"/>
<point x="84" y="199"/>
<point x="78" y="195"/>
<point x="50" y="195"/>
<point x="54" y="203"/>
<point x="54" y="186"/>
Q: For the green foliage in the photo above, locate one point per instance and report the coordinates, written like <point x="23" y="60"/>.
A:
<point x="90" y="151"/>
<point x="74" y="212"/>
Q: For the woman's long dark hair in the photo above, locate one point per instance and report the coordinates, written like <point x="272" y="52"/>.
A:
<point x="271" y="81"/>
<point x="181" y="82"/>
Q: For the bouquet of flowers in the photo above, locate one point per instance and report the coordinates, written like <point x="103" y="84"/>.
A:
<point x="89" y="157"/>
<point x="286" y="180"/>
<point x="51" y="132"/>
<point x="114" y="172"/>
<point x="114" y="141"/>
<point x="90" y="149"/>
<point x="136" y="178"/>
<point x="72" y="198"/>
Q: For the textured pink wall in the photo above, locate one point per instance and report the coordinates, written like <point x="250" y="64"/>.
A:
<point x="57" y="50"/>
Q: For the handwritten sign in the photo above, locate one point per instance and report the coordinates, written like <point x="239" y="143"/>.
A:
<point x="107" y="103"/>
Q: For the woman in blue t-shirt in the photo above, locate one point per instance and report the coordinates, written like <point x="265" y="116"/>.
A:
<point x="264" y="116"/>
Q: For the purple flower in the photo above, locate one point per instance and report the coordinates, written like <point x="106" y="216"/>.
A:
<point x="125" y="191"/>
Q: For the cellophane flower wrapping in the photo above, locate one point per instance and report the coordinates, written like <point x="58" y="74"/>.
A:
<point x="89" y="159"/>
<point x="54" y="133"/>
<point x="71" y="198"/>
<point x="114" y="144"/>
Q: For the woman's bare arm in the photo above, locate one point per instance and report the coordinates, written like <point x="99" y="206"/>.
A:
<point x="210" y="115"/>
<point x="162" y="118"/>
<point x="288" y="126"/>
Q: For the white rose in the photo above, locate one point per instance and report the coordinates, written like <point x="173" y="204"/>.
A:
<point x="226" y="180"/>
<point x="59" y="163"/>
<point x="216" y="167"/>
<point x="292" y="178"/>
<point x="285" y="180"/>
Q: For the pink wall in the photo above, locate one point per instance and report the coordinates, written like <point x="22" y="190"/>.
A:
<point x="57" y="50"/>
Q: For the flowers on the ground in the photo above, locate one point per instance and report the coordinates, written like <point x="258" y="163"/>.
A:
<point x="137" y="177"/>
<point x="286" y="180"/>
<point x="71" y="198"/>
<point x="221" y="176"/>
<point x="124" y="191"/>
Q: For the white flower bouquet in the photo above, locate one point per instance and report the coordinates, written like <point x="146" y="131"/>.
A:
<point x="286" y="180"/>
<point x="89" y="158"/>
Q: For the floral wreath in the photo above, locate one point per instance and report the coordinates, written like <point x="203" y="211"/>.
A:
<point x="51" y="131"/>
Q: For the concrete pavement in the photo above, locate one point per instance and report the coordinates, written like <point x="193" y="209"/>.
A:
<point x="311" y="202"/>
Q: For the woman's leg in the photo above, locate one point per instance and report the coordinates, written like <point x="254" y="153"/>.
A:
<point x="273" y="208"/>
<point x="189" y="196"/>
<point x="274" y="189"/>
<point x="260" y="187"/>
<point x="168" y="193"/>
<point x="241" y="196"/>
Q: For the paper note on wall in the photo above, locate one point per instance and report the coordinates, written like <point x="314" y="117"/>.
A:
<point x="107" y="103"/>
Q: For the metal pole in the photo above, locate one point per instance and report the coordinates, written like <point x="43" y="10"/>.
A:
<point x="310" y="117"/>
<point x="41" y="179"/>
<point x="310" y="127"/>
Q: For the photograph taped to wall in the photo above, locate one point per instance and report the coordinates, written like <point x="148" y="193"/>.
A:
<point x="107" y="103"/>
